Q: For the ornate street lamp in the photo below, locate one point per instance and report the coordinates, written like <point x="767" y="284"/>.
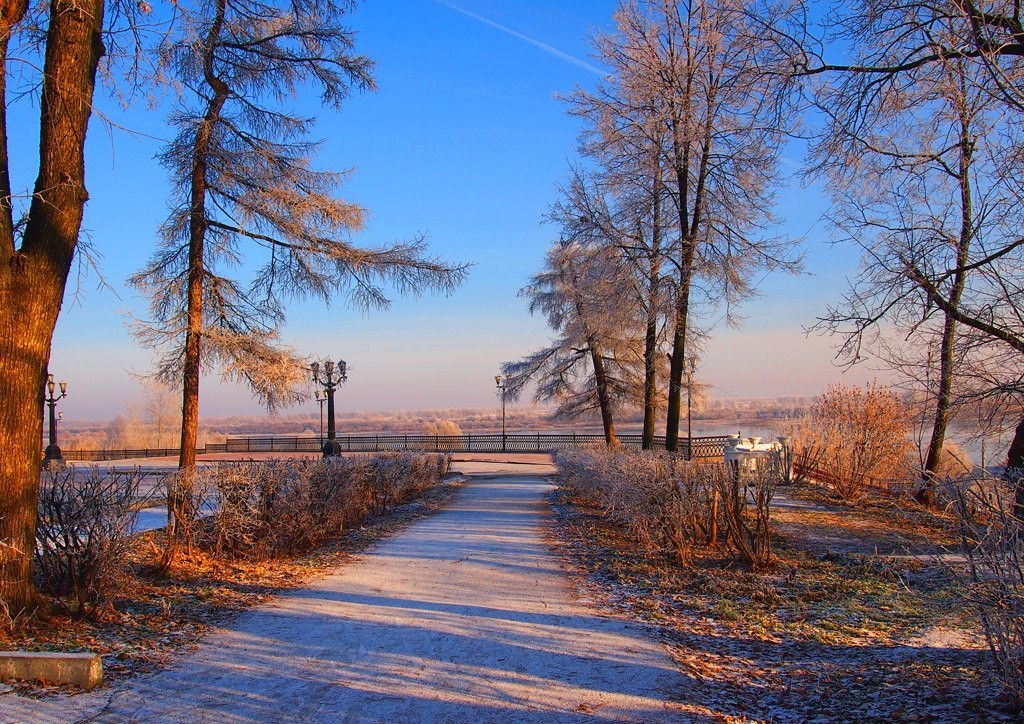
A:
<point x="330" y="376"/>
<point x="53" y="459"/>
<point x="501" y="389"/>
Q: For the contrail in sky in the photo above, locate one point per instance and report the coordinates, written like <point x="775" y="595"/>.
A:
<point x="535" y="43"/>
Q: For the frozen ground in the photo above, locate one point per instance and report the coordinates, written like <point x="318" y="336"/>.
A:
<point x="465" y="616"/>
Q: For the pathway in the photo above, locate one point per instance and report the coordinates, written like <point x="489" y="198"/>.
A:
<point x="465" y="616"/>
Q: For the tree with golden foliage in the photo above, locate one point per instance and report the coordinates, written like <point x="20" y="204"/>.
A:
<point x="853" y="437"/>
<point x="241" y="166"/>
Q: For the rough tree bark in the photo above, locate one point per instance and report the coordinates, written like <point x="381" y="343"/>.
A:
<point x="32" y="278"/>
<point x="1015" y="469"/>
<point x="603" y="395"/>
<point x="180" y="504"/>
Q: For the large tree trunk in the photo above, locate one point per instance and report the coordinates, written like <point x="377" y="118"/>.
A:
<point x="940" y="422"/>
<point x="944" y="401"/>
<point x="181" y="505"/>
<point x="603" y="395"/>
<point x="689" y="225"/>
<point x="1015" y="470"/>
<point x="196" y="241"/>
<point x="650" y="381"/>
<point x="32" y="279"/>
<point x="677" y="358"/>
<point x="653" y="304"/>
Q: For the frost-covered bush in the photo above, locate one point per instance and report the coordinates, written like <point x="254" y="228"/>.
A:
<point x="86" y="518"/>
<point x="666" y="503"/>
<point x="992" y="539"/>
<point x="273" y="508"/>
<point x="747" y="500"/>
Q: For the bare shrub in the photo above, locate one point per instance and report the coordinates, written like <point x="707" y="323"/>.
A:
<point x="633" y="489"/>
<point x="746" y="508"/>
<point x="282" y="507"/>
<point x="86" y="518"/>
<point x="664" y="502"/>
<point x="852" y="437"/>
<point x="661" y="501"/>
<point x="385" y="481"/>
<point x="187" y="493"/>
<point x="397" y="477"/>
<point x="992" y="540"/>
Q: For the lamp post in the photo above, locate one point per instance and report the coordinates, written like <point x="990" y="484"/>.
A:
<point x="329" y="376"/>
<point x="321" y="399"/>
<point x="53" y="459"/>
<point x="691" y="367"/>
<point x="501" y="388"/>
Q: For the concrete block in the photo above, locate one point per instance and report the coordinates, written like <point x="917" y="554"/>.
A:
<point x="83" y="669"/>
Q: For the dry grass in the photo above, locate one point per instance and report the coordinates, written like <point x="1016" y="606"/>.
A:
<point x="831" y="632"/>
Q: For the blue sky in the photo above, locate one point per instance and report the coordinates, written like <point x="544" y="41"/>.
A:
<point x="465" y="142"/>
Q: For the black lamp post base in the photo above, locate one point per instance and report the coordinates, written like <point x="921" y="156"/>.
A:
<point x="331" y="448"/>
<point x="53" y="459"/>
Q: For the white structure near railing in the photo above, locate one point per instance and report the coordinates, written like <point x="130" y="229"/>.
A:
<point x="746" y="455"/>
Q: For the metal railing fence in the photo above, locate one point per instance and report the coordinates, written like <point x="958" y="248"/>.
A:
<point x="702" y="447"/>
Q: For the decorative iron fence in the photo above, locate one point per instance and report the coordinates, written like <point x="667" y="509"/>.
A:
<point x="133" y="453"/>
<point x="701" y="447"/>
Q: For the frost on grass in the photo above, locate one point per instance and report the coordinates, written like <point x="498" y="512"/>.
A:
<point x="831" y="632"/>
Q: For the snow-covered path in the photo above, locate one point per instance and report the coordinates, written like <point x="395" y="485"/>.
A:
<point x="466" y="616"/>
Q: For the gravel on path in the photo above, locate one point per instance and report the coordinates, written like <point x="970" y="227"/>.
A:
<point x="466" y="616"/>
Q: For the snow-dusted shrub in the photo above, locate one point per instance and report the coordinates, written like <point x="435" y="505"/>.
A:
<point x="86" y="518"/>
<point x="746" y="506"/>
<point x="661" y="501"/>
<point x="188" y="493"/>
<point x="441" y="427"/>
<point x="992" y="539"/>
<point x="281" y="507"/>
<point x="664" y="502"/>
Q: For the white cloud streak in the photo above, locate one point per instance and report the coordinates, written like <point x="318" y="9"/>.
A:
<point x="550" y="50"/>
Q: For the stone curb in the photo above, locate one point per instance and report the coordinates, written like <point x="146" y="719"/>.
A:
<point x="82" y="669"/>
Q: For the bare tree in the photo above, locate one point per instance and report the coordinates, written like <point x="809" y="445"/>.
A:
<point x="162" y="415"/>
<point x="242" y="168"/>
<point x="633" y="213"/>
<point x="619" y="206"/>
<point x="922" y="151"/>
<point x="704" y="79"/>
<point x="988" y="35"/>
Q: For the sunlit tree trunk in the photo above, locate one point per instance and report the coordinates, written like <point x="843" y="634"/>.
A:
<point x="181" y="505"/>
<point x="603" y="397"/>
<point x="947" y="364"/>
<point x="32" y="278"/>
